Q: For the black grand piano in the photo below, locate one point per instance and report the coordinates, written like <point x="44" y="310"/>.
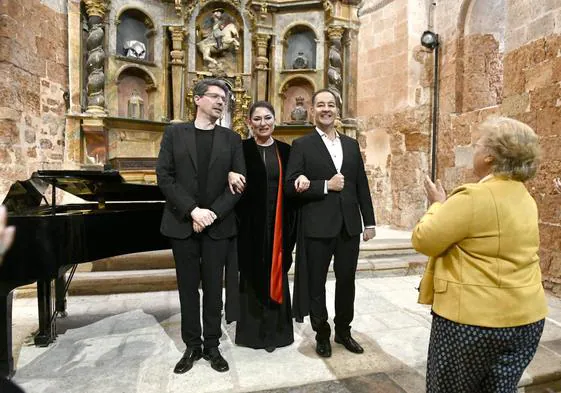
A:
<point x="116" y="218"/>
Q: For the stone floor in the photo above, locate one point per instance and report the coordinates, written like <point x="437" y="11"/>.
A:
<point x="130" y="343"/>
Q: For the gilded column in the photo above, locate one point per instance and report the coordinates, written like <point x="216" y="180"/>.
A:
<point x="96" y="55"/>
<point x="177" y="71"/>
<point x="242" y="101"/>
<point x="334" y="76"/>
<point x="261" y="64"/>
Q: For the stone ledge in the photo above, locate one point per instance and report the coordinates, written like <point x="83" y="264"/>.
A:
<point x="150" y="280"/>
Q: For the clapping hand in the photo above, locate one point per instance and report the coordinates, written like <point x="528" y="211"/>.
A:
<point x="435" y="192"/>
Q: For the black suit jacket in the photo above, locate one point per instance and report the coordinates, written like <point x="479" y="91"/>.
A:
<point x="176" y="171"/>
<point x="324" y="214"/>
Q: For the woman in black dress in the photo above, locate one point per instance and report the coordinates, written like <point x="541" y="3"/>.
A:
<point x="266" y="238"/>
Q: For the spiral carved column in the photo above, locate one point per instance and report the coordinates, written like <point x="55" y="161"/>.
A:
<point x="96" y="55"/>
<point x="334" y="77"/>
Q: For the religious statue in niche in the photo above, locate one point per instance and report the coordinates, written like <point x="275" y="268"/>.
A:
<point x="220" y="41"/>
<point x="136" y="106"/>
<point x="300" y="62"/>
<point x="299" y="114"/>
<point x="136" y="49"/>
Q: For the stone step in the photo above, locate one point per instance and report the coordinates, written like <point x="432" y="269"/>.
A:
<point x="163" y="259"/>
<point x="163" y="279"/>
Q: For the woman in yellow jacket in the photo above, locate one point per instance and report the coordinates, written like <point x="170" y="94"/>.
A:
<point x="483" y="278"/>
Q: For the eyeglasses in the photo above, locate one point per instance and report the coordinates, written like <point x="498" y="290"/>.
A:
<point x="216" y="97"/>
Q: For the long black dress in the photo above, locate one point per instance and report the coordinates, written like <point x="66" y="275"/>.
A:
<point x="263" y="323"/>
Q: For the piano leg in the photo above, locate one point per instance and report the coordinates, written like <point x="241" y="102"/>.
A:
<point x="60" y="285"/>
<point x="47" y="319"/>
<point x="6" y="359"/>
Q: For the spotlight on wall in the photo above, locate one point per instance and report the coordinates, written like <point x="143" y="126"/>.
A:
<point x="429" y="39"/>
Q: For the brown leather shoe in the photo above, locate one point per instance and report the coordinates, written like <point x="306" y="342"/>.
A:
<point x="186" y="362"/>
<point x="323" y="348"/>
<point x="216" y="360"/>
<point x="349" y="343"/>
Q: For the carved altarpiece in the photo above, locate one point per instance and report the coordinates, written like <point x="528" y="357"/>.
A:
<point x="278" y="51"/>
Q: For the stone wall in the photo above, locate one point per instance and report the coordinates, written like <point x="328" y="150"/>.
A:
<point x="33" y="78"/>
<point x="532" y="95"/>
<point x="393" y="97"/>
<point x="515" y="74"/>
<point x="500" y="57"/>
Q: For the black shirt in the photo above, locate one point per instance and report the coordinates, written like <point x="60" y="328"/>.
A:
<point x="204" y="140"/>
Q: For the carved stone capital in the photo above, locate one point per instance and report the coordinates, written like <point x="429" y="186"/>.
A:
<point x="335" y="33"/>
<point x="177" y="36"/>
<point x="177" y="56"/>
<point x="261" y="40"/>
<point x="96" y="7"/>
<point x="261" y="62"/>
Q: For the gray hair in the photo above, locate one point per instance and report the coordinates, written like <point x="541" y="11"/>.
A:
<point x="514" y="146"/>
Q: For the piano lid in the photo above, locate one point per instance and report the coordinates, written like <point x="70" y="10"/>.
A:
<point x="93" y="186"/>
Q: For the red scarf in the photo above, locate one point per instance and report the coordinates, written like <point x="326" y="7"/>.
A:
<point x="275" y="289"/>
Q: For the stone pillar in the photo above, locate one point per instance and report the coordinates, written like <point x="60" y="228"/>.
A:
<point x="96" y="56"/>
<point x="177" y="71"/>
<point x="334" y="75"/>
<point x="350" y="74"/>
<point x="261" y="64"/>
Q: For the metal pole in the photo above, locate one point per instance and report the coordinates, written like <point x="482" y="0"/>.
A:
<point x="434" y="139"/>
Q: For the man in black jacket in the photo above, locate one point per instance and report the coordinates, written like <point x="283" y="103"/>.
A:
<point x="326" y="172"/>
<point x="192" y="172"/>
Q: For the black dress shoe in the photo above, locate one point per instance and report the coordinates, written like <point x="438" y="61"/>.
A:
<point x="349" y="343"/>
<point x="186" y="362"/>
<point x="270" y="348"/>
<point x="323" y="348"/>
<point x="216" y="360"/>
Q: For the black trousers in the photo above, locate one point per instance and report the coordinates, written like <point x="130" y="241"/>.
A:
<point x="344" y="249"/>
<point x="200" y="259"/>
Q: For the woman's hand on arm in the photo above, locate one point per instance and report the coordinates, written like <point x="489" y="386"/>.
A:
<point x="236" y="182"/>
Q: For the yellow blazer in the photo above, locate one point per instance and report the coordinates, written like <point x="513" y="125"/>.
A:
<point x="484" y="267"/>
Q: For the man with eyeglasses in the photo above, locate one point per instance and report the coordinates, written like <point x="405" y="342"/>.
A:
<point x="192" y="173"/>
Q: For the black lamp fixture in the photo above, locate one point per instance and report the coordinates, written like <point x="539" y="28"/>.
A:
<point x="430" y="41"/>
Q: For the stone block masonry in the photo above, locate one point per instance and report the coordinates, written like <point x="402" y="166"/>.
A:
<point x="33" y="78"/>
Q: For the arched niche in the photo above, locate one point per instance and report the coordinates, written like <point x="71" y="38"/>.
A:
<point x="136" y="91"/>
<point x="295" y="92"/>
<point x="135" y="35"/>
<point x="300" y="48"/>
<point x="480" y="54"/>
